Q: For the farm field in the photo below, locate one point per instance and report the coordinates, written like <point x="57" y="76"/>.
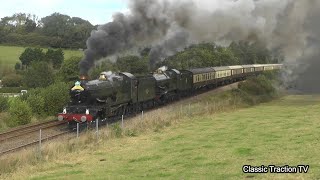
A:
<point x="203" y="146"/>
<point x="9" y="56"/>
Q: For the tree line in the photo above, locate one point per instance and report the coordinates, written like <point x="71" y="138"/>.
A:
<point x="56" y="31"/>
<point x="40" y="69"/>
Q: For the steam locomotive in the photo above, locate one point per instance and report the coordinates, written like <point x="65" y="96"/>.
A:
<point x="114" y="95"/>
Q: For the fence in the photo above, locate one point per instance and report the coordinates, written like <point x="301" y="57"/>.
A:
<point x="10" y="94"/>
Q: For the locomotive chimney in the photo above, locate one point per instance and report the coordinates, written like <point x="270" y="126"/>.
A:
<point x="84" y="77"/>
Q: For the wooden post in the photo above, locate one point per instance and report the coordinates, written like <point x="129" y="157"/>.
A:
<point x="40" y="139"/>
<point x="97" y="128"/>
<point x="122" y="122"/>
<point x="77" y="130"/>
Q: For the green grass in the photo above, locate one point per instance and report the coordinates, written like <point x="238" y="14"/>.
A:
<point x="9" y="56"/>
<point x="286" y="131"/>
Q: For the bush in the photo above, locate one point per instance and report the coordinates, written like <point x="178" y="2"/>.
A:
<point x="12" y="80"/>
<point x="36" y="103"/>
<point x="20" y="113"/>
<point x="4" y="103"/>
<point x="55" y="97"/>
<point x="257" y="89"/>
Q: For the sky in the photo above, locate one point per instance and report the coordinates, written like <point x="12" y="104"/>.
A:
<point x="95" y="11"/>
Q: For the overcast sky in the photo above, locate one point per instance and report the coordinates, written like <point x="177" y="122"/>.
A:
<point x="95" y="11"/>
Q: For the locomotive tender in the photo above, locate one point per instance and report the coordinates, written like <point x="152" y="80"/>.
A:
<point x="123" y="93"/>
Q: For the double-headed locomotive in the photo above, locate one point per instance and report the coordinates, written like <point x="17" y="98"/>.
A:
<point x="123" y="93"/>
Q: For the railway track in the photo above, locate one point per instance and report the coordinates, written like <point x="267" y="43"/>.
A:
<point x="13" y="133"/>
<point x="25" y="136"/>
<point x="32" y="143"/>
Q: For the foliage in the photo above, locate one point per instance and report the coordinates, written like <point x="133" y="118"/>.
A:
<point x="4" y="103"/>
<point x="55" y="57"/>
<point x="56" y="30"/>
<point x="9" y="56"/>
<point x="70" y="69"/>
<point x="39" y="75"/>
<point x="11" y="89"/>
<point x="55" y="97"/>
<point x="20" y="113"/>
<point x="117" y="130"/>
<point x="36" y="103"/>
<point x="132" y="64"/>
<point x="256" y="90"/>
<point x="31" y="54"/>
<point x="12" y="80"/>
<point x="17" y="66"/>
<point x="209" y="54"/>
<point x="73" y="31"/>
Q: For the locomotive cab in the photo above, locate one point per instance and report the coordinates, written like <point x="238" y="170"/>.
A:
<point x="78" y="93"/>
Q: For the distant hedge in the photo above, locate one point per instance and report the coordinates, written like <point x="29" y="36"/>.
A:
<point x="11" y="89"/>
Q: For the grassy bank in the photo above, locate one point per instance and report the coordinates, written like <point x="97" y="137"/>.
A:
<point x="211" y="141"/>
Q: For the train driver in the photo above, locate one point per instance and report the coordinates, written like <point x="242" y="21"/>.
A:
<point x="77" y="86"/>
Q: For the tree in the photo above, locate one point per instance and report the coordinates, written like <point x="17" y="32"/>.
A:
<point x="56" y="30"/>
<point x="226" y="57"/>
<point x="69" y="70"/>
<point x="55" y="57"/>
<point x="30" y="25"/>
<point x="17" y="66"/>
<point x="56" y="24"/>
<point x="40" y="74"/>
<point x="133" y="64"/>
<point x="73" y="31"/>
<point x="31" y="54"/>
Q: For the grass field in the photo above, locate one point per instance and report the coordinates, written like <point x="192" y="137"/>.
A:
<point x="9" y="56"/>
<point x="201" y="146"/>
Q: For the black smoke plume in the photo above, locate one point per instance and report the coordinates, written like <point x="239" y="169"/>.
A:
<point x="290" y="26"/>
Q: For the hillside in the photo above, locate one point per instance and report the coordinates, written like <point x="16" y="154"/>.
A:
<point x="9" y="56"/>
<point x="199" y="146"/>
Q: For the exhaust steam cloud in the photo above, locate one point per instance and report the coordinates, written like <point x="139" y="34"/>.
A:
<point x="291" y="26"/>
